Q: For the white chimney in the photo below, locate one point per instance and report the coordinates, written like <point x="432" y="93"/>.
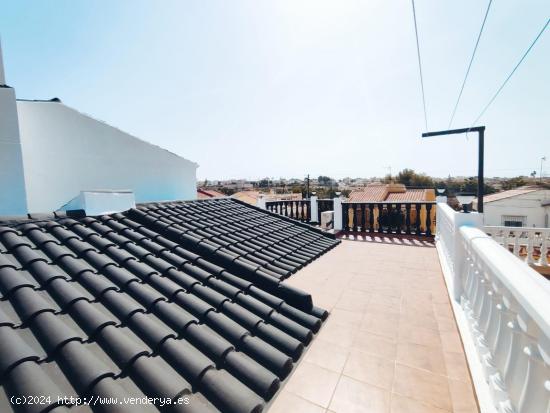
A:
<point x="2" y="76"/>
<point x="13" y="199"/>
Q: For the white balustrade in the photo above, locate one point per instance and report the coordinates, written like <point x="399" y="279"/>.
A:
<point x="506" y="308"/>
<point x="529" y="244"/>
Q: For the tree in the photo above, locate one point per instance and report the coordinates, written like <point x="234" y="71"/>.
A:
<point x="409" y="177"/>
<point x="513" y="183"/>
<point x="324" y="180"/>
<point x="264" y="183"/>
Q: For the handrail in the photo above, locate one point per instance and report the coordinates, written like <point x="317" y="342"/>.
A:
<point x="299" y="209"/>
<point x="533" y="248"/>
<point x="504" y="305"/>
<point x="389" y="217"/>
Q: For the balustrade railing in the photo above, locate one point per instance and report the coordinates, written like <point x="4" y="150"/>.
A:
<point x="531" y="245"/>
<point x="296" y="209"/>
<point x="409" y="218"/>
<point x="323" y="206"/>
<point x="504" y="305"/>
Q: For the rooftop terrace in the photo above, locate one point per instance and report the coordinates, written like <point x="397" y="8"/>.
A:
<point x="391" y="343"/>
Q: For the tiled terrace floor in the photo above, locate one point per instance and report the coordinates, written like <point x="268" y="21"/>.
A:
<point x="390" y="344"/>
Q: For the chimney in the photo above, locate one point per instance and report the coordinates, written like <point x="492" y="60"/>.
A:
<point x="2" y="75"/>
<point x="13" y="199"/>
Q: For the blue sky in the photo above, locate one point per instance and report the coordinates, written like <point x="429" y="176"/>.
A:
<point x="284" y="88"/>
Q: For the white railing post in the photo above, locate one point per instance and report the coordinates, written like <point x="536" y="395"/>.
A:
<point x="260" y="202"/>
<point x="525" y="241"/>
<point x="313" y="208"/>
<point x="503" y="314"/>
<point x="337" y="206"/>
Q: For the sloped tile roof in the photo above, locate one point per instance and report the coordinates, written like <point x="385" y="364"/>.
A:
<point x="374" y="193"/>
<point x="384" y="193"/>
<point x="508" y="194"/>
<point x="411" y="195"/>
<point x="208" y="193"/>
<point x="167" y="300"/>
<point x="250" y="197"/>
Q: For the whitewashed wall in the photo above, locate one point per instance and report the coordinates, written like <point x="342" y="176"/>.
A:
<point x="65" y="152"/>
<point x="12" y="183"/>
<point x="528" y="205"/>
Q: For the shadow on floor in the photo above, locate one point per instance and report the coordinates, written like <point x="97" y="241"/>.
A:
<point x="394" y="239"/>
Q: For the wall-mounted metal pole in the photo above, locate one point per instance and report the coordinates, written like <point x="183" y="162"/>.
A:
<point x="481" y="142"/>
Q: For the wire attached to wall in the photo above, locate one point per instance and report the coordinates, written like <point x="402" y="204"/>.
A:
<point x="470" y="64"/>
<point x="511" y="73"/>
<point x="420" y="66"/>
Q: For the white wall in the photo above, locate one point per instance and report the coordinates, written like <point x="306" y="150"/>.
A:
<point x="12" y="183"/>
<point x="65" y="152"/>
<point x="528" y="205"/>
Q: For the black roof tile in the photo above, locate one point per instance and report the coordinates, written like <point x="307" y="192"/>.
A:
<point x="169" y="299"/>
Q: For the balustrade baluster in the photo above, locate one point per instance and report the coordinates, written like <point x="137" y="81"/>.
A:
<point x="428" y="220"/>
<point x="398" y="217"/>
<point x="389" y="218"/>
<point x="345" y="207"/>
<point x="417" y="219"/>
<point x="408" y="218"/>
<point x="379" y="212"/>
<point x="363" y="211"/>
<point x="351" y="216"/>
<point x="371" y="218"/>
<point x="516" y="243"/>
<point x="543" y="260"/>
<point x="530" y="247"/>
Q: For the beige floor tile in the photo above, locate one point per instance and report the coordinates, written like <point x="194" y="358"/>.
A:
<point x="451" y="342"/>
<point x="422" y="357"/>
<point x="346" y="317"/>
<point x="385" y="325"/>
<point x="462" y="396"/>
<point x="445" y="324"/>
<point x="353" y="300"/>
<point x="389" y="309"/>
<point x="420" y="320"/>
<point x="353" y="396"/>
<point x="443" y="311"/>
<point x="286" y="402"/>
<point x="456" y="366"/>
<point x="313" y="383"/>
<point x="422" y="385"/>
<point x="375" y="345"/>
<point x="402" y="404"/>
<point x="338" y="334"/>
<point x="328" y="355"/>
<point x="370" y="369"/>
<point x="418" y="335"/>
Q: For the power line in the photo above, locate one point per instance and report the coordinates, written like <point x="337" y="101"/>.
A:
<point x="420" y="66"/>
<point x="511" y="73"/>
<point x="470" y="64"/>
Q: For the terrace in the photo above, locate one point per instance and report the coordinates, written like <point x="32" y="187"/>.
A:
<point x="423" y="318"/>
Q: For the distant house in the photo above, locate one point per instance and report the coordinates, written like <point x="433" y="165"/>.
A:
<point x="50" y="153"/>
<point x="378" y="192"/>
<point x="251" y="197"/>
<point x="520" y="207"/>
<point x="208" y="193"/>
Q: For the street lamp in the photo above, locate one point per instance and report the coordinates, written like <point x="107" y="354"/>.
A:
<point x="465" y="199"/>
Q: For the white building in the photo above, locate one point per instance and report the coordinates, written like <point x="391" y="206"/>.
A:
<point x="50" y="152"/>
<point x="521" y="207"/>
